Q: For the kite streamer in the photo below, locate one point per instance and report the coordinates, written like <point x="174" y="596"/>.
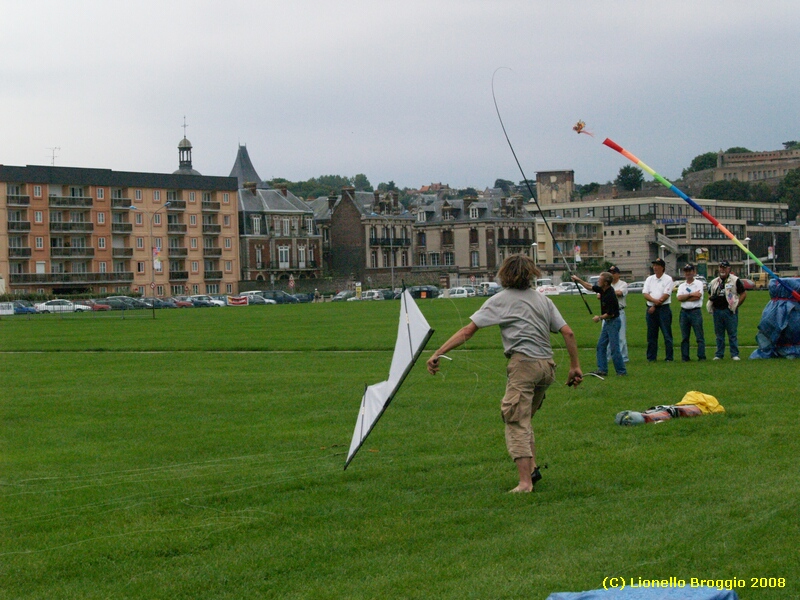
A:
<point x="671" y="186"/>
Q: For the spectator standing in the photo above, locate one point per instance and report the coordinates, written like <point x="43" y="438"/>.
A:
<point x="726" y="294"/>
<point x="690" y="295"/>
<point x="609" y="315"/>
<point x="621" y="290"/>
<point x="657" y="291"/>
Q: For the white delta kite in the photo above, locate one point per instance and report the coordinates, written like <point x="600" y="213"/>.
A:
<point x="413" y="332"/>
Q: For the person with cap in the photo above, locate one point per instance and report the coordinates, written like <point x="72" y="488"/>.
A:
<point x="690" y="295"/>
<point x="657" y="291"/>
<point x="609" y="315"/>
<point x="621" y="290"/>
<point x="726" y="294"/>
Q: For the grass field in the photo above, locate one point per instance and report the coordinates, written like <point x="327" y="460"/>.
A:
<point x="200" y="455"/>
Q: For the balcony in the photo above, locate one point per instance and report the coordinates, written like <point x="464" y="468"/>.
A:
<point x="121" y="227"/>
<point x="275" y="265"/>
<point x="70" y="202"/>
<point x="72" y="226"/>
<point x="50" y="278"/>
<point x="121" y="204"/>
<point x="178" y="275"/>
<point x="212" y="252"/>
<point x="19" y="225"/>
<point x="177" y="205"/>
<point x="122" y="252"/>
<point x="211" y="206"/>
<point x="16" y="200"/>
<point x="516" y="243"/>
<point x="177" y="228"/>
<point x="71" y="252"/>
<point x="19" y="252"/>
<point x="209" y="228"/>
<point x="212" y="275"/>
<point x="176" y="251"/>
<point x="390" y="242"/>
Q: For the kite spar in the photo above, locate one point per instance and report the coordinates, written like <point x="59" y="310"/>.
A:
<point x="413" y="332"/>
<point x="671" y="186"/>
<point x="530" y="190"/>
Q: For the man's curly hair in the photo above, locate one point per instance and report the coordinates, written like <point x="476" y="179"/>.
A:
<point x="518" y="271"/>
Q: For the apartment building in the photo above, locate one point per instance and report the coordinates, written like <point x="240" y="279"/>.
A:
<point x="66" y="230"/>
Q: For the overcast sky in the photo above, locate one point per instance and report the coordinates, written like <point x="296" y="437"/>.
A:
<point x="400" y="91"/>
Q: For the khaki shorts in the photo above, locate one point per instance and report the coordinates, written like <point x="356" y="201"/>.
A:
<point x="528" y="379"/>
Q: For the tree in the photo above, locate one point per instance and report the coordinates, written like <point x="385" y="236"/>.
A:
<point x="737" y="150"/>
<point x="387" y="187"/>
<point x="467" y="192"/>
<point x="630" y="178"/>
<point x="587" y="189"/>
<point x="792" y="145"/>
<point x="525" y="187"/>
<point x="732" y="189"/>
<point x="505" y="185"/>
<point x="701" y="162"/>
<point x="361" y="183"/>
<point x="789" y="192"/>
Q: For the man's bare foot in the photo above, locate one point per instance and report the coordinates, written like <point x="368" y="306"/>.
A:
<point x="521" y="490"/>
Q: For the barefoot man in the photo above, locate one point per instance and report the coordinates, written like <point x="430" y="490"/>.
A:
<point x="526" y="319"/>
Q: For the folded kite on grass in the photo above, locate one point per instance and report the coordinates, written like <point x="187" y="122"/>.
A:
<point x="693" y="404"/>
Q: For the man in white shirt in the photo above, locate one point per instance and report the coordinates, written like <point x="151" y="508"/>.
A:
<point x="690" y="295"/>
<point x="657" y="291"/>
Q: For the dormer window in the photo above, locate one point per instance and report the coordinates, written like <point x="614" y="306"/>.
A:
<point x="421" y="216"/>
<point x="473" y="212"/>
<point x="447" y="215"/>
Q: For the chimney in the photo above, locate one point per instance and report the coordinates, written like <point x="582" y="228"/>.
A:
<point x="282" y="189"/>
<point x="331" y="202"/>
<point x="250" y="186"/>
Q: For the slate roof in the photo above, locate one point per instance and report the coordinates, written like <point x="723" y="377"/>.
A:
<point x="272" y="201"/>
<point x="243" y="168"/>
<point x="106" y="177"/>
<point x="489" y="209"/>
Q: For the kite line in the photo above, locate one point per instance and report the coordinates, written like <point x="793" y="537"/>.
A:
<point x="530" y="190"/>
<point x="671" y="186"/>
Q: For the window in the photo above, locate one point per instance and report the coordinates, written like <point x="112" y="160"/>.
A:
<point x="228" y="266"/>
<point x="473" y="212"/>
<point x="474" y="259"/>
<point x="473" y="236"/>
<point x="101" y="243"/>
<point x="373" y="259"/>
<point x="226" y="198"/>
<point x="191" y="197"/>
<point x="434" y="259"/>
<point x="228" y="243"/>
<point x="140" y="267"/>
<point x="310" y="225"/>
<point x="39" y="243"/>
<point x="301" y="254"/>
<point x="226" y="220"/>
<point x="195" y="266"/>
<point x="101" y="193"/>
<point x="286" y="227"/>
<point x="156" y="219"/>
<point x="138" y="195"/>
<point x="193" y="220"/>
<point x="206" y="196"/>
<point x="140" y="243"/>
<point x="139" y="219"/>
<point x="193" y="243"/>
<point x="101" y="218"/>
<point x="37" y="191"/>
<point x="283" y="256"/>
<point x="37" y="216"/>
<point x="449" y="259"/>
<point x="421" y="216"/>
<point x="423" y="259"/>
<point x="256" y="221"/>
<point x="404" y="259"/>
<point x="101" y="266"/>
<point x="156" y="195"/>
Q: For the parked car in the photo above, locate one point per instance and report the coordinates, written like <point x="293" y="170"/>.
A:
<point x="206" y="300"/>
<point x="131" y="303"/>
<point x="389" y="294"/>
<point x="159" y="303"/>
<point x="343" y="295"/>
<point x="256" y="299"/>
<point x="471" y="291"/>
<point x="455" y="292"/>
<point x="23" y="307"/>
<point x="572" y="288"/>
<point x="424" y="291"/>
<point x="489" y="288"/>
<point x="182" y="302"/>
<point x="372" y="295"/>
<point x="60" y="306"/>
<point x="304" y="298"/>
<point x="279" y="296"/>
<point x="635" y="287"/>
<point x="97" y="305"/>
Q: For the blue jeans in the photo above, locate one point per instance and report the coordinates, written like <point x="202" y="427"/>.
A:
<point x="609" y="340"/>
<point x="726" y="321"/>
<point x="692" y="319"/>
<point x="623" y="342"/>
<point x="661" y="319"/>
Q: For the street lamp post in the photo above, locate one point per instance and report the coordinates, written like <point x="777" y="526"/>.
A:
<point x="661" y="255"/>
<point x="535" y="247"/>
<point x="152" y="253"/>
<point x="747" y="243"/>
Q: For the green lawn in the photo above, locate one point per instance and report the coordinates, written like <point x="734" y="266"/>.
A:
<point x="200" y="455"/>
